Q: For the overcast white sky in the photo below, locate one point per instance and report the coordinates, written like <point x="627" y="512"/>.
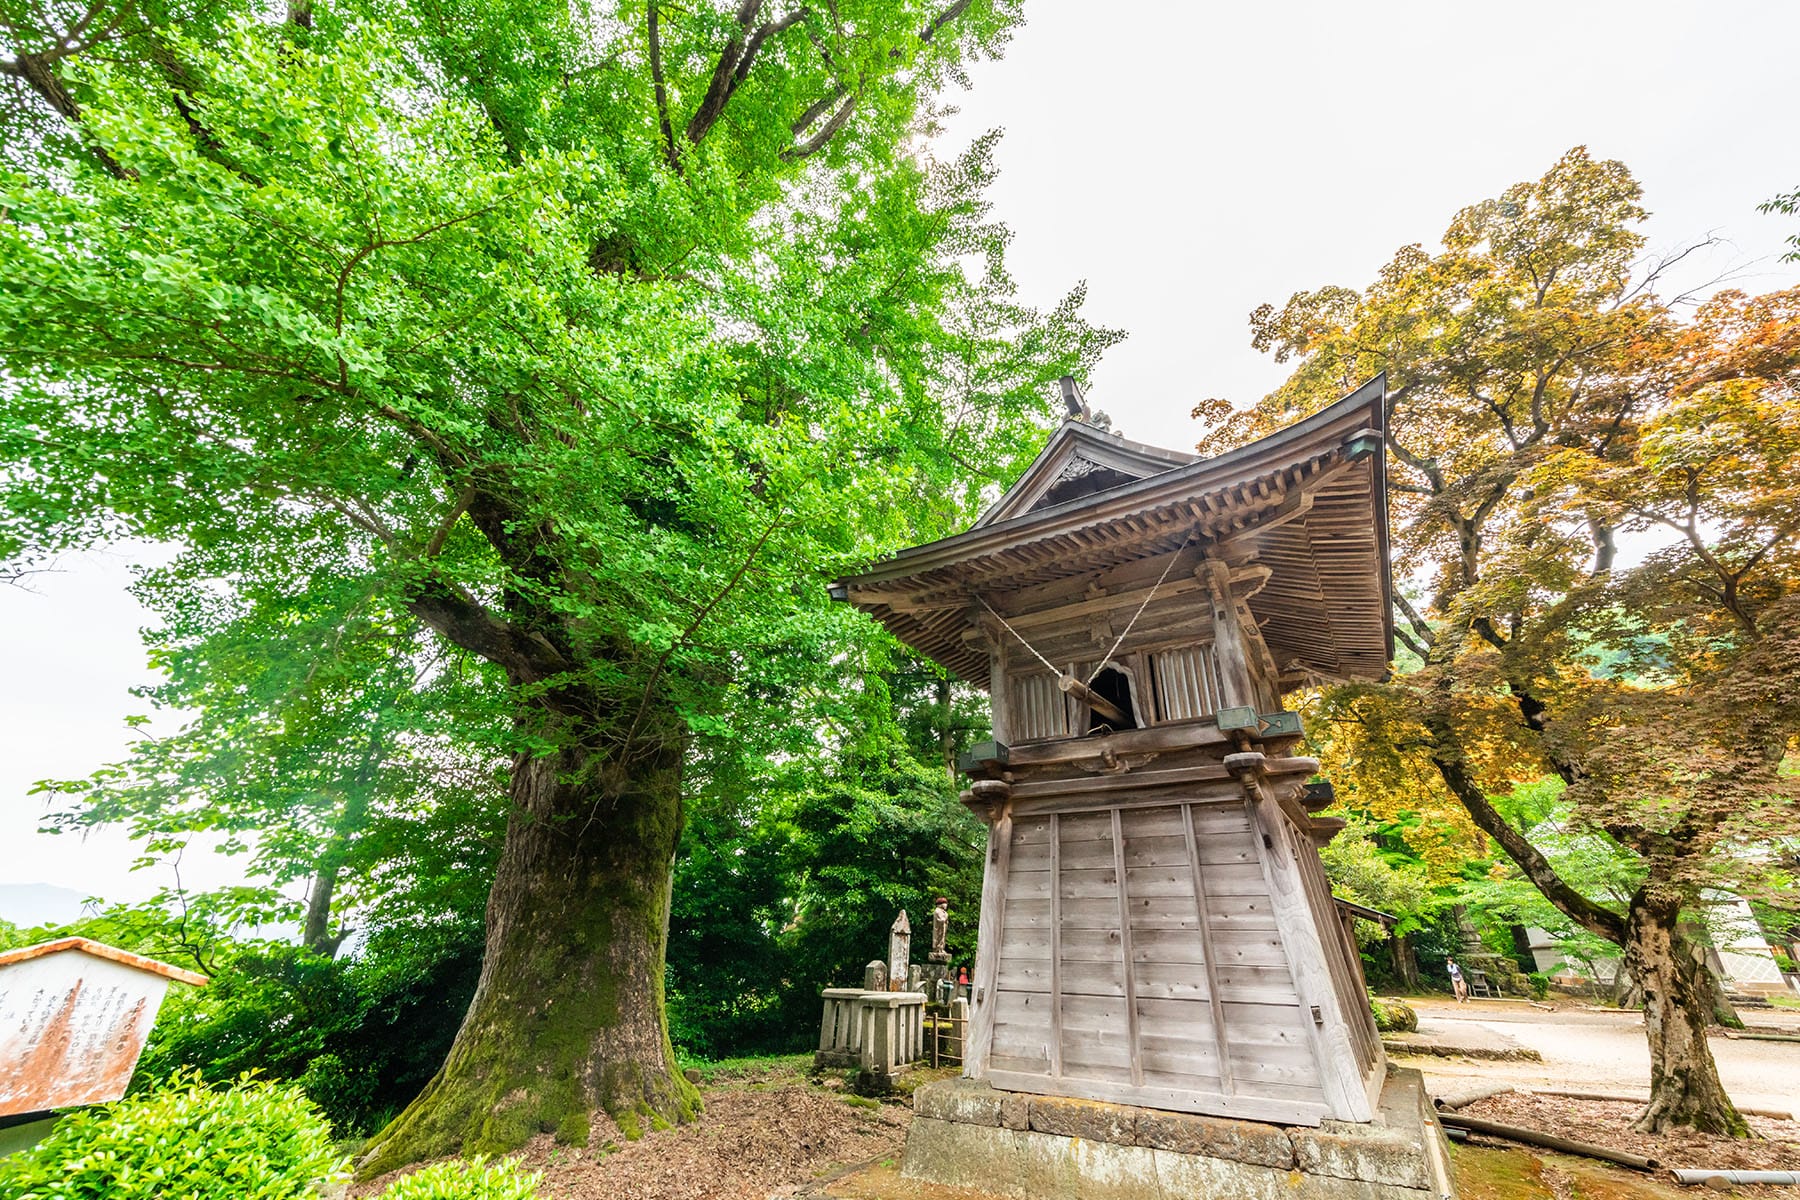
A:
<point x="1190" y="161"/>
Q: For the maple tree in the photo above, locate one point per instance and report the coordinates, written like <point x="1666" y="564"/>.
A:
<point x="590" y="339"/>
<point x="1544" y="401"/>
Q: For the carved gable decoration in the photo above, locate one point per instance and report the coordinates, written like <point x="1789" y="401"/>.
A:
<point x="1081" y="461"/>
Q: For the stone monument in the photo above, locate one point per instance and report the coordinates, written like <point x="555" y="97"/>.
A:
<point x="1503" y="974"/>
<point x="878" y="1028"/>
<point x="900" y="953"/>
<point x="937" y="962"/>
<point x="1163" y="989"/>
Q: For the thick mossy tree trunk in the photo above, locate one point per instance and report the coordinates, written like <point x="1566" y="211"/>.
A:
<point x="568" y="1017"/>
<point x="1690" y="939"/>
<point x="1684" y="1080"/>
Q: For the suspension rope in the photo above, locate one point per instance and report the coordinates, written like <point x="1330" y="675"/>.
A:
<point x="1162" y="579"/>
<point x="1120" y="641"/>
<point x="1054" y="669"/>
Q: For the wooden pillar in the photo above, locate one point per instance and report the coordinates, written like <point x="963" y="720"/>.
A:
<point x="999" y="700"/>
<point x="983" y="998"/>
<point x="1238" y="650"/>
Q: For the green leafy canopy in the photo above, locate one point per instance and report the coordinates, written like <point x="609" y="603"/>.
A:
<point x="510" y="375"/>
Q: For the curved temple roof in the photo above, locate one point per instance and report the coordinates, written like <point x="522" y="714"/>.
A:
<point x="1309" y="502"/>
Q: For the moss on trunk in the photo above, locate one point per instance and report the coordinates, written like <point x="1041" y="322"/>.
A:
<point x="1684" y="1080"/>
<point x="568" y="1015"/>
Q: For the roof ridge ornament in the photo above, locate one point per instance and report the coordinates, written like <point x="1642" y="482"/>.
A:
<point x="1075" y="401"/>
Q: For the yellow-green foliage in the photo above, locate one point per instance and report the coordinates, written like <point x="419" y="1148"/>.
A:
<point x="251" y="1141"/>
<point x="474" y="1179"/>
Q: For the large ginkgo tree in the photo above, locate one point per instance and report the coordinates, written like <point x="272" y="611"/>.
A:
<point x="591" y="339"/>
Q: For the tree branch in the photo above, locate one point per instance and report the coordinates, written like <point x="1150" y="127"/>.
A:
<point x="40" y="76"/>
<point x="457" y="509"/>
<point x="1782" y="533"/>
<point x="734" y="65"/>
<point x="817" y="141"/>
<point x="1605" y="549"/>
<point x="843" y="114"/>
<point x="693" y="626"/>
<point x="942" y="19"/>
<point x="662" y="92"/>
<point x="1485" y="628"/>
<point x="526" y="657"/>
<point x="1602" y="922"/>
<point x="1420" y="626"/>
<point x="186" y="93"/>
<point x="815" y="110"/>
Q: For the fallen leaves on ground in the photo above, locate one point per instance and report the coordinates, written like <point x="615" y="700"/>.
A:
<point x="749" y="1143"/>
<point x="1608" y="1123"/>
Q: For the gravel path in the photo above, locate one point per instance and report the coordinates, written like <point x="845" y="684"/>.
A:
<point x="1603" y="1051"/>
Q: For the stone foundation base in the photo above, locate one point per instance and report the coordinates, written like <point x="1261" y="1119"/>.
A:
<point x="968" y="1134"/>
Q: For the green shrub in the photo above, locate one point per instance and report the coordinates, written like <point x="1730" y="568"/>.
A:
<point x="1540" y="984"/>
<point x="460" y="1180"/>
<point x="250" y="1141"/>
<point x="362" y="1035"/>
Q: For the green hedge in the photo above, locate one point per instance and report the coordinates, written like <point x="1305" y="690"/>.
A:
<point x="251" y="1141"/>
<point x="458" y="1180"/>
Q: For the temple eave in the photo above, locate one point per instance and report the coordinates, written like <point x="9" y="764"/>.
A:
<point x="1324" y="603"/>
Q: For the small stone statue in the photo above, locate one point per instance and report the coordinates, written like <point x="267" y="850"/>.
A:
<point x="940" y="925"/>
<point x="875" y="976"/>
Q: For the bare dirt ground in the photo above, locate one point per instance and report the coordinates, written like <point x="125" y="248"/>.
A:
<point x="776" y="1136"/>
<point x="1608" y="1123"/>
<point x="749" y="1144"/>
<point x="774" y="1133"/>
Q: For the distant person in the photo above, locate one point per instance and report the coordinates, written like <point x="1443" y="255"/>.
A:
<point x="1456" y="981"/>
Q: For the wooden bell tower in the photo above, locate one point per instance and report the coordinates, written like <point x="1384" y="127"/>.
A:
<point x="1156" y="926"/>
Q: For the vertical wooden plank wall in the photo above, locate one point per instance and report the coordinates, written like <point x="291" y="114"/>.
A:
<point x="1186" y="683"/>
<point x="1141" y="960"/>
<point x="1340" y="953"/>
<point x="1315" y="979"/>
<point x="1181" y="953"/>
<point x="989" y="936"/>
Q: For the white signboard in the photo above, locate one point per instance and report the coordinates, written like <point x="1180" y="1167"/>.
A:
<point x="74" y="1016"/>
